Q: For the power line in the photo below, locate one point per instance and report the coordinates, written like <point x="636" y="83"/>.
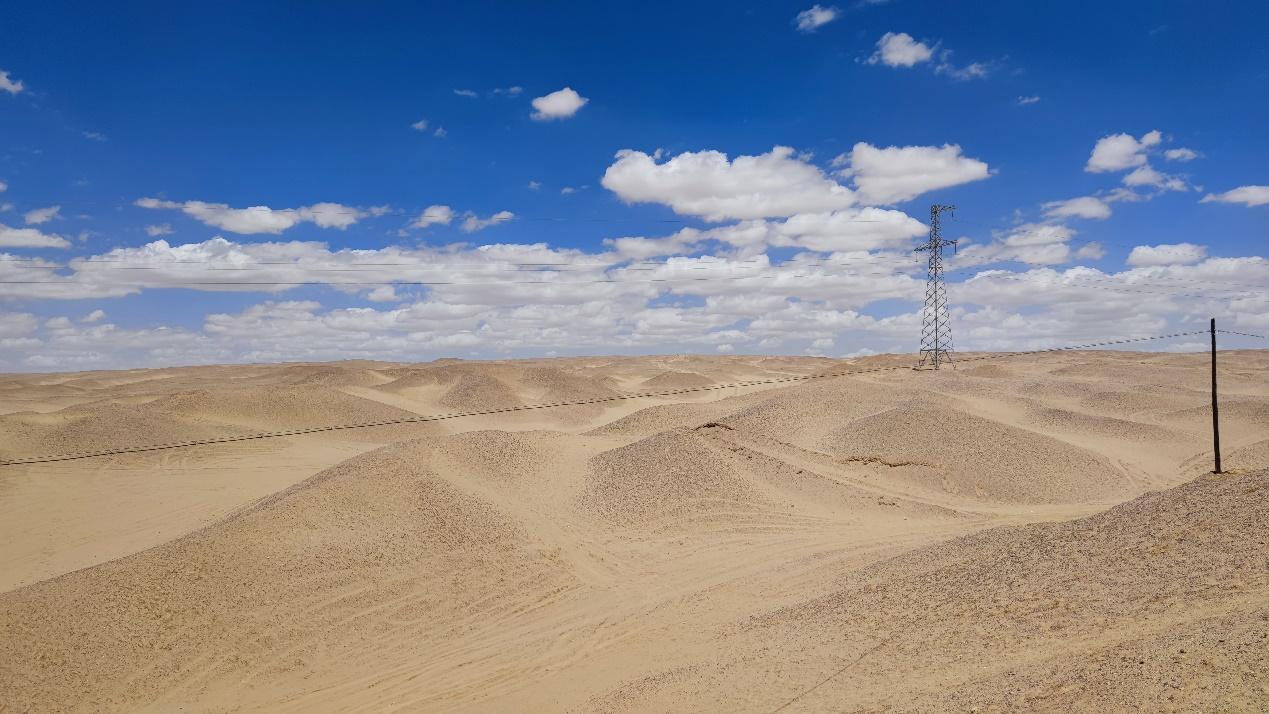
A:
<point x="1108" y="277"/>
<point x="748" y="263"/>
<point x="1101" y="284"/>
<point x="455" y="283"/>
<point x="548" y="405"/>
<point x="1244" y="334"/>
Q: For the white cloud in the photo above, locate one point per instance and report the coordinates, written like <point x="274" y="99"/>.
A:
<point x="973" y="70"/>
<point x="479" y="303"/>
<point x="1090" y="251"/>
<point x="1118" y="152"/>
<point x="420" y="125"/>
<point x="94" y="316"/>
<point x="383" y="293"/>
<point x="899" y="49"/>
<point x="440" y="132"/>
<point x="641" y="248"/>
<point x="848" y="230"/>
<point x="434" y="215"/>
<point x="560" y="104"/>
<point x="29" y="238"/>
<point x="3" y="187"/>
<point x="12" y="86"/>
<point x="1180" y="154"/>
<point x="17" y="324"/>
<point x="160" y="229"/>
<point x="708" y="185"/>
<point x="845" y="231"/>
<point x="1082" y="207"/>
<point x="1176" y="254"/>
<point x="896" y="174"/>
<point x="1246" y="195"/>
<point x="534" y="185"/>
<point x="473" y="223"/>
<point x="260" y="219"/>
<point x="42" y="215"/>
<point x="94" y="135"/>
<point x="1030" y="234"/>
<point x="1024" y="101"/>
<point x="816" y="17"/>
<point x="1146" y="175"/>
<point x="1032" y="243"/>
<point x="567" y="190"/>
<point x="471" y="94"/>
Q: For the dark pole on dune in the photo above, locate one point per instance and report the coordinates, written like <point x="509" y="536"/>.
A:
<point x="1216" y="421"/>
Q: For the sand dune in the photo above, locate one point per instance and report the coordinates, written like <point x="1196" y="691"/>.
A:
<point x="950" y="539"/>
<point x="1159" y="604"/>
<point x="675" y="380"/>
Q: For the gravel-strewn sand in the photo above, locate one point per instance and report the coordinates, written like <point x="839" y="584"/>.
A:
<point x="895" y="541"/>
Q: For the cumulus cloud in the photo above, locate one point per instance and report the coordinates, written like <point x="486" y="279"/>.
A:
<point x="560" y="104"/>
<point x="3" y="187"/>
<point x="434" y="215"/>
<point x="1180" y="154"/>
<point x="42" y="215"/>
<point x="1031" y="243"/>
<point x="641" y="247"/>
<point x="816" y="17"/>
<point x="159" y="229"/>
<point x="8" y="84"/>
<point x="477" y="300"/>
<point x="94" y="316"/>
<point x="473" y="223"/>
<point x="1118" y="152"/>
<point x="899" y="49"/>
<point x="899" y="173"/>
<point x="1030" y="234"/>
<point x="260" y="219"/>
<point x="1175" y="254"/>
<point x="420" y="125"/>
<point x="848" y="230"/>
<point x="29" y="238"/>
<point x="1147" y="175"/>
<point x="709" y="185"/>
<point x="383" y="293"/>
<point x="1090" y="207"/>
<point x="1246" y="195"/>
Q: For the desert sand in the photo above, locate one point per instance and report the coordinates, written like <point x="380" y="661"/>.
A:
<point x="1036" y="533"/>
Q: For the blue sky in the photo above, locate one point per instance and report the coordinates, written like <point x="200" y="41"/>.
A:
<point x="1090" y="148"/>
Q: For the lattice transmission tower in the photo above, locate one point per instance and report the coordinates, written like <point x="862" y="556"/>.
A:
<point x="936" y="322"/>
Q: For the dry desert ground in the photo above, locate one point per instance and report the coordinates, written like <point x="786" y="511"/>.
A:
<point x="1037" y="533"/>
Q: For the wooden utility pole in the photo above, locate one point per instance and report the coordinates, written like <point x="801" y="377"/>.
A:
<point x="1216" y="420"/>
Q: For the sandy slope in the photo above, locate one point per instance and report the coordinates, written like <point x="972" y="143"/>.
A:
<point x="725" y="550"/>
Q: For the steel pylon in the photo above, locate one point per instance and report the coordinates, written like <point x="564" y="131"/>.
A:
<point x="936" y="321"/>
